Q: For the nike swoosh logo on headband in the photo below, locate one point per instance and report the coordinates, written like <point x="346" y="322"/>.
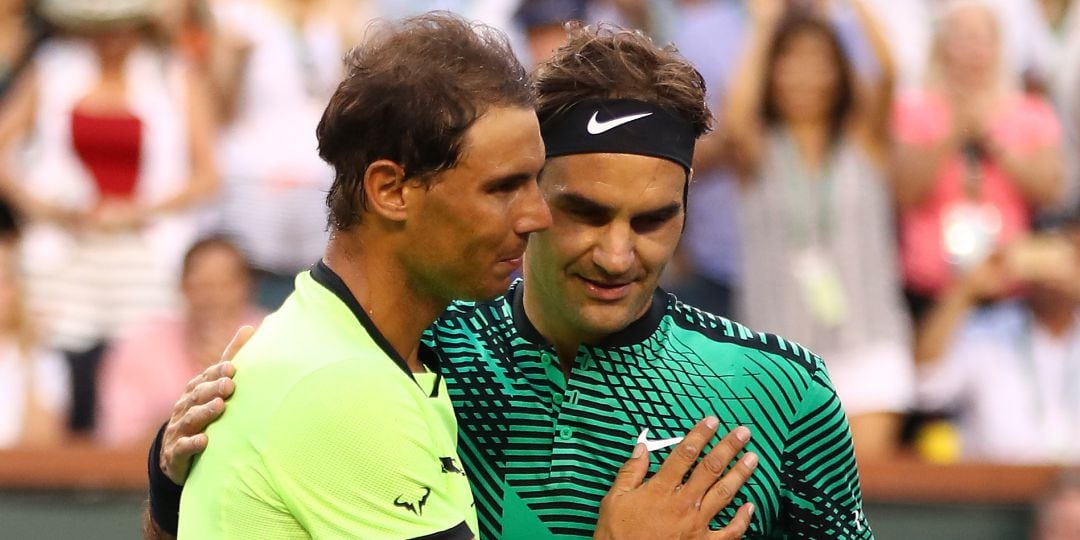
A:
<point x="595" y="127"/>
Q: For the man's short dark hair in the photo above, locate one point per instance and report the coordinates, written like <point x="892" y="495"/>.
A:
<point x="606" y="62"/>
<point x="410" y="93"/>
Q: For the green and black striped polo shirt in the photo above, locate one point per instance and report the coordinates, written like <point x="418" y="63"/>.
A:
<point x="541" y="451"/>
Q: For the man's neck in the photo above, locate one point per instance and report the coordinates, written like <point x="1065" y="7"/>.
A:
<point x="563" y="337"/>
<point x="382" y="287"/>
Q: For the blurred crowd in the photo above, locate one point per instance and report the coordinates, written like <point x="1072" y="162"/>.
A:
<point x="894" y="184"/>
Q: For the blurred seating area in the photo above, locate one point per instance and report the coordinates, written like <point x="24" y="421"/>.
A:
<point x="893" y="183"/>
<point x="96" y="493"/>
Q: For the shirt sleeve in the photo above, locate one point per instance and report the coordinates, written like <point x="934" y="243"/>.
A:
<point x="821" y="495"/>
<point x="352" y="456"/>
<point x="942" y="385"/>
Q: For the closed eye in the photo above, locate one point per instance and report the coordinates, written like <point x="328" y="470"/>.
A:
<point x="655" y="220"/>
<point x="583" y="210"/>
<point x="508" y="184"/>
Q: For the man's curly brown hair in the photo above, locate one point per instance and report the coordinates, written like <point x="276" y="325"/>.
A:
<point x="607" y="62"/>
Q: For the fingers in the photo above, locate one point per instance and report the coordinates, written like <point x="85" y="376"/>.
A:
<point x="175" y="459"/>
<point x="242" y="336"/>
<point x="184" y="438"/>
<point x="680" y="461"/>
<point x="196" y="409"/>
<point x="181" y="424"/>
<point x="738" y="525"/>
<point x="203" y="394"/>
<point x="206" y="392"/>
<point x="632" y="473"/>
<point x="186" y="448"/>
<point x="721" y="493"/>
<point x="224" y="368"/>
<point x="216" y="372"/>
<point x="197" y="418"/>
<point x="714" y="463"/>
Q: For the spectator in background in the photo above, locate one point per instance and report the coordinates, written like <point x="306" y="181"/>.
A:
<point x="21" y="31"/>
<point x="809" y="141"/>
<point x="1010" y="371"/>
<point x="276" y="64"/>
<point x="33" y="381"/>
<point x="542" y="22"/>
<point x="975" y="156"/>
<point x="119" y="132"/>
<point x="653" y="17"/>
<point x="704" y="271"/>
<point x="713" y="35"/>
<point x="1057" y="517"/>
<point x="1066" y="93"/>
<point x="1028" y="45"/>
<point x="152" y="361"/>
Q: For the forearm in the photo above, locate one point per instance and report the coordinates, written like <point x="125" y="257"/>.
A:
<point x="203" y="182"/>
<point x="201" y="187"/>
<point x="227" y="68"/>
<point x="19" y="198"/>
<point x="742" y="114"/>
<point x="880" y="99"/>
<point x="875" y="37"/>
<point x="710" y="153"/>
<point x="915" y="170"/>
<point x="42" y="427"/>
<point x="151" y="530"/>
<point x="942" y="322"/>
<point x="748" y="88"/>
<point x="17" y="115"/>
<point x="1039" y="176"/>
<point x="163" y="507"/>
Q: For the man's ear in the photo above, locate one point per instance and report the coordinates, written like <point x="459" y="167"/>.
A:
<point x="384" y="188"/>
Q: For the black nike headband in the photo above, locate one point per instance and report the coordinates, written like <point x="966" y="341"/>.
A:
<point x="619" y="126"/>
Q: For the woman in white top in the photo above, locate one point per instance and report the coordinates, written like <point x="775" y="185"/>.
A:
<point x="115" y="132"/>
<point x="819" y="256"/>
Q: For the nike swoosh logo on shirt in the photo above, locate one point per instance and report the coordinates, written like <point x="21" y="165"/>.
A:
<point x="656" y="444"/>
<point x="596" y="127"/>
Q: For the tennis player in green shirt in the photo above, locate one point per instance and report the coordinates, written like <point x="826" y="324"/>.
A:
<point x="344" y="427"/>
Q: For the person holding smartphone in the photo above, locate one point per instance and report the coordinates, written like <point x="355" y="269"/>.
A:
<point x="1010" y="371"/>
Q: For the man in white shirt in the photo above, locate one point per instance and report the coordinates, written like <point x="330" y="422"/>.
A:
<point x="1011" y="371"/>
